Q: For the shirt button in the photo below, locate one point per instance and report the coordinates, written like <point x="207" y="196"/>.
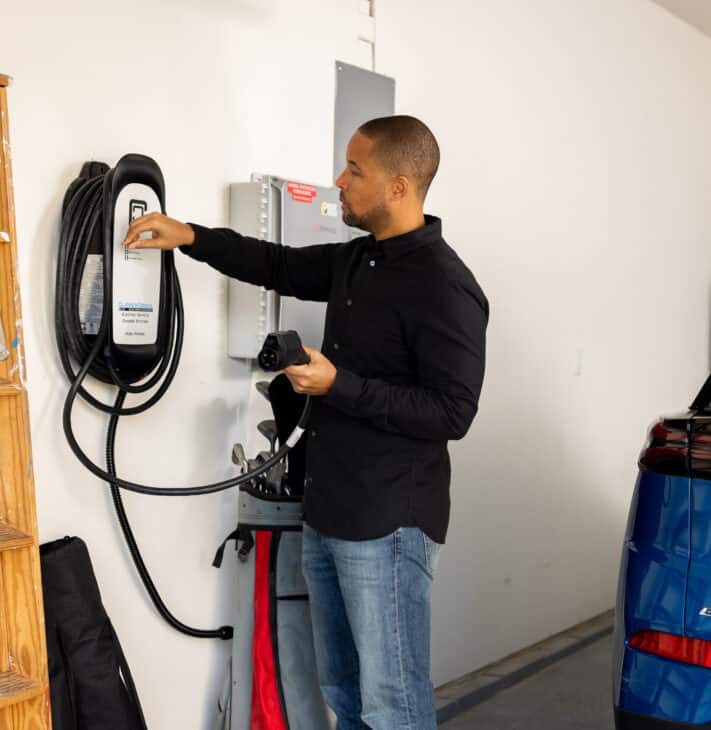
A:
<point x="335" y="345"/>
<point x="349" y="302"/>
<point x="372" y="263"/>
<point x="313" y="432"/>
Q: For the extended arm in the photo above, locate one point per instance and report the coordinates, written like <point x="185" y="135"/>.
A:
<point x="303" y="272"/>
<point x="298" y="272"/>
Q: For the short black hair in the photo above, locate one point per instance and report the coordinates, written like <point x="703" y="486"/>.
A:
<point x="405" y="146"/>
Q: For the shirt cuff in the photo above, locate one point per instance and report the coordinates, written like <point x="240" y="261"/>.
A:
<point x="207" y="243"/>
<point x="345" y="391"/>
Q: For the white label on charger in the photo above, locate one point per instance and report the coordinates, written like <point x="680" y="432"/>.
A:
<point x="136" y="272"/>
<point x="91" y="294"/>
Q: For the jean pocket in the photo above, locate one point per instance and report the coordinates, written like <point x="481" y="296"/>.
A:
<point x="431" y="553"/>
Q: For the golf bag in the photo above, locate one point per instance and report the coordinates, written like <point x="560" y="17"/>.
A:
<point x="271" y="681"/>
<point x="90" y="683"/>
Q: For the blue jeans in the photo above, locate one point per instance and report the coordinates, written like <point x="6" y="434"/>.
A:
<point x="370" y="608"/>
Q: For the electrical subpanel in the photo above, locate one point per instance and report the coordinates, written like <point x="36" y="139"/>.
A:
<point x="282" y="211"/>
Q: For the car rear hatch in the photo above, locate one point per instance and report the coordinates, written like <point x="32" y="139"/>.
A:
<point x="698" y="595"/>
<point x="657" y="542"/>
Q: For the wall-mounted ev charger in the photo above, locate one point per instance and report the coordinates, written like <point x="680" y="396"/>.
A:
<point x="132" y="189"/>
<point x="119" y="318"/>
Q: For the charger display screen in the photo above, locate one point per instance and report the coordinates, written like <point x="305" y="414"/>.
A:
<point x="137" y="209"/>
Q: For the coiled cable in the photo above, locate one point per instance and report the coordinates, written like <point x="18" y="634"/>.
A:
<point x="81" y="233"/>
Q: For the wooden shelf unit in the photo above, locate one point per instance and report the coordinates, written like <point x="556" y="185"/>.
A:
<point x="9" y="389"/>
<point x="24" y="686"/>
<point x="11" y="538"/>
<point x="15" y="688"/>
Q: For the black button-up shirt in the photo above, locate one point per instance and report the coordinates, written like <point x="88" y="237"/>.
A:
<point x="405" y="328"/>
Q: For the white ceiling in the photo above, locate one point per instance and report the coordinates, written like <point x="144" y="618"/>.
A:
<point x="696" y="12"/>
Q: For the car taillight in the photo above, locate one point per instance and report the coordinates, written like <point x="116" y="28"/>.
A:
<point x="666" y="450"/>
<point x="671" y="646"/>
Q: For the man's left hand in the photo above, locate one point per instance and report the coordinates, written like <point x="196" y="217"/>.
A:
<point x="316" y="378"/>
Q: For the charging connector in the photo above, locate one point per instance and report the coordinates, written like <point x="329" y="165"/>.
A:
<point x="280" y="350"/>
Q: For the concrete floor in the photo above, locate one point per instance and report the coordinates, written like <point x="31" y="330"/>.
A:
<point x="572" y="694"/>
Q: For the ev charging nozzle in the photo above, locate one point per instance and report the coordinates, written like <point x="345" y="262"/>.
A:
<point x="280" y="350"/>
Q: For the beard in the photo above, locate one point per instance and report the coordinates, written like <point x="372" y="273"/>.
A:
<point x="371" y="220"/>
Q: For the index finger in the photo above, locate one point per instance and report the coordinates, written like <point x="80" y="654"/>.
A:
<point x="141" y="225"/>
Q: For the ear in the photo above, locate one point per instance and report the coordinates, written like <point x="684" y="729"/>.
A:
<point x="399" y="188"/>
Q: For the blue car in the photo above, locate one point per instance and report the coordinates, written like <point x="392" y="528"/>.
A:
<point x="662" y="645"/>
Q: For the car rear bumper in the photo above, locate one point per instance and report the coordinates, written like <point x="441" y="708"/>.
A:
<point x="631" y="721"/>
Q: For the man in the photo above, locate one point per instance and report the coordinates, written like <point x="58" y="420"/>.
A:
<point x="400" y="374"/>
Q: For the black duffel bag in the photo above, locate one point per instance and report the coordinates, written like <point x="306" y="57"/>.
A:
<point x="91" y="687"/>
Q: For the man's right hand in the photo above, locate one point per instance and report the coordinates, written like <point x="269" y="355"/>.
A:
<point x="167" y="232"/>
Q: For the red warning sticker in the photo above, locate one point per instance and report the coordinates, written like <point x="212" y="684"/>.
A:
<point x="301" y="193"/>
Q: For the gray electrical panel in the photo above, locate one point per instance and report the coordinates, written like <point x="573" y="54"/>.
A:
<point x="282" y="211"/>
<point x="361" y="95"/>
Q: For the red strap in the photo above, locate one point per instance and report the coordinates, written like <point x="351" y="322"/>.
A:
<point x="266" y="707"/>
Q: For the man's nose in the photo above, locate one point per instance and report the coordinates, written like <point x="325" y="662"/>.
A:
<point x="340" y="181"/>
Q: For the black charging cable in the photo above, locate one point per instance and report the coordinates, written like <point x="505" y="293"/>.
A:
<point x="81" y="234"/>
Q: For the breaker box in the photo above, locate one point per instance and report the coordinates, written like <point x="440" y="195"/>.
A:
<point x="283" y="211"/>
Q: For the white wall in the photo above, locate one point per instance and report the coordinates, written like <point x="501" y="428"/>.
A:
<point x="574" y="182"/>
<point x="213" y="91"/>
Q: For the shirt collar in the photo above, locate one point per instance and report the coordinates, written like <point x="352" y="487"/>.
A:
<point x="396" y="246"/>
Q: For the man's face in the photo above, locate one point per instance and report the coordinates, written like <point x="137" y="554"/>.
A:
<point x="363" y="186"/>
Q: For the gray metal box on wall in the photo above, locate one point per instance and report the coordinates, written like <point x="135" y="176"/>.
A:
<point x="361" y="95"/>
<point x="282" y="211"/>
